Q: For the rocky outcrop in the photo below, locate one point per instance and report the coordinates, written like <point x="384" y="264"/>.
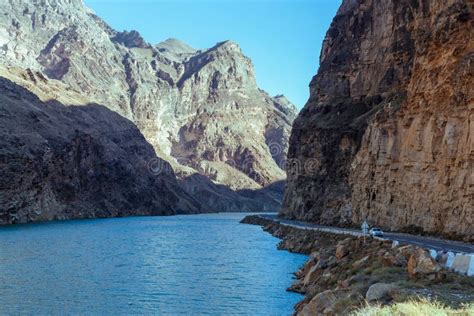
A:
<point x="201" y="110"/>
<point x="369" y="272"/>
<point x="421" y="264"/>
<point x="387" y="133"/>
<point x="61" y="161"/>
<point x="323" y="303"/>
<point x="130" y="39"/>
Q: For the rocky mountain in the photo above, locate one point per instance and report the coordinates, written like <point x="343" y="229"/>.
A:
<point x="61" y="160"/>
<point x="201" y="110"/>
<point x="387" y="133"/>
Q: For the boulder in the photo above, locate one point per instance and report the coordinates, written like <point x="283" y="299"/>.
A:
<point x="306" y="268"/>
<point x="314" y="272"/>
<point x="390" y="260"/>
<point x="406" y="251"/>
<point x="347" y="241"/>
<point x="421" y="263"/>
<point x="323" y="302"/>
<point x="341" y="251"/>
<point x="380" y="291"/>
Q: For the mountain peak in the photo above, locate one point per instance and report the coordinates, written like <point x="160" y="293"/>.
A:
<point x="281" y="97"/>
<point x="285" y="105"/>
<point x="227" y="45"/>
<point x="69" y="3"/>
<point x="173" y="44"/>
<point x="175" y="49"/>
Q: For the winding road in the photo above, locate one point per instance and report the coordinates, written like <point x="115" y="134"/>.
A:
<point x="427" y="242"/>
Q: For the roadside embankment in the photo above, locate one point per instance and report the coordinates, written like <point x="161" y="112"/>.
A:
<point x="345" y="273"/>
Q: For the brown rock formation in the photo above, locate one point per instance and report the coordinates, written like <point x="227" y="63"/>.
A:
<point x="421" y="264"/>
<point x="387" y="133"/>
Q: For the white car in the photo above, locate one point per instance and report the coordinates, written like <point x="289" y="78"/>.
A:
<point x="376" y="232"/>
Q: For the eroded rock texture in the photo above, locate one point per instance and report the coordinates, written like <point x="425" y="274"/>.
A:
<point x="387" y="133"/>
<point x="201" y="110"/>
<point x="76" y="161"/>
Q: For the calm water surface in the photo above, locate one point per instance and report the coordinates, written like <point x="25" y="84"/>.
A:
<point x="199" y="264"/>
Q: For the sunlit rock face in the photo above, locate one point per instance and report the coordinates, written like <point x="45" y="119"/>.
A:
<point x="201" y="110"/>
<point x="387" y="133"/>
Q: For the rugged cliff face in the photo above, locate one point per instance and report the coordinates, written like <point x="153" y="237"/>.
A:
<point x="61" y="160"/>
<point x="387" y="133"/>
<point x="201" y="110"/>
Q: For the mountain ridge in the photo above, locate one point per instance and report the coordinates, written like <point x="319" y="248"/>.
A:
<point x="203" y="113"/>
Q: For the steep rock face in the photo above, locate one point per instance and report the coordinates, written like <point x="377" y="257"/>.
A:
<point x="227" y="117"/>
<point x="62" y="161"/>
<point x="387" y="132"/>
<point x="426" y="151"/>
<point x="201" y="110"/>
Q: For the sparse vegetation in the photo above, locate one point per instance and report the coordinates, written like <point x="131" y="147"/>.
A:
<point x="415" y="308"/>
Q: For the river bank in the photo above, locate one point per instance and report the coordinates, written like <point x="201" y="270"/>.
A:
<point x="344" y="273"/>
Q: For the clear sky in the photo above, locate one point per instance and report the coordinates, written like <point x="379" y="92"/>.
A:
<point x="282" y="37"/>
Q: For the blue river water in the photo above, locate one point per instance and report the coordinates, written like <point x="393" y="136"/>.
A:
<point x="180" y="265"/>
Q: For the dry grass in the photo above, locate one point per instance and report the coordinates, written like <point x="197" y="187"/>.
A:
<point x="416" y="308"/>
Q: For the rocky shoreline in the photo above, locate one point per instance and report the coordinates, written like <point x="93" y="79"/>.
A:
<point x="345" y="273"/>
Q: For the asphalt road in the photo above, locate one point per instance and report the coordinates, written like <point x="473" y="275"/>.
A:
<point x="427" y="242"/>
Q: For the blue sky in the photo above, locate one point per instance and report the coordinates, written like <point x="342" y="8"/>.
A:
<point x="282" y="37"/>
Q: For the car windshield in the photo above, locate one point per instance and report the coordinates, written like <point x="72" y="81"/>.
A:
<point x="374" y="229"/>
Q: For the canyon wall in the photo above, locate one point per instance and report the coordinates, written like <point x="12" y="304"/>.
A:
<point x="387" y="133"/>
